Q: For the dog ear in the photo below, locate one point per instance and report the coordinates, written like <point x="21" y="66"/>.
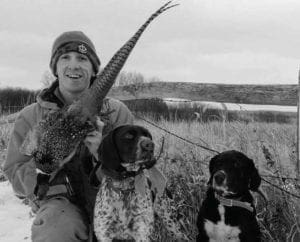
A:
<point x="108" y="153"/>
<point x="211" y="168"/>
<point x="255" y="178"/>
<point x="212" y="163"/>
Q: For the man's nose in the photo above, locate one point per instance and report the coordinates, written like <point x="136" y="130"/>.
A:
<point x="73" y="63"/>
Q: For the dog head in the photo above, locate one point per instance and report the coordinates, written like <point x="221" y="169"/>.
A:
<point x="126" y="148"/>
<point x="232" y="173"/>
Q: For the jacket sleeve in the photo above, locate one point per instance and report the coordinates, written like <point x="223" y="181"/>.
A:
<point x="20" y="168"/>
<point x="121" y="114"/>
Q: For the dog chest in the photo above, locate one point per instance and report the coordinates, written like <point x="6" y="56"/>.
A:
<point x="122" y="213"/>
<point x="220" y="231"/>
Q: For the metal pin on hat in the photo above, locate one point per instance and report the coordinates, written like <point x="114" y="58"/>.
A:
<point x="82" y="49"/>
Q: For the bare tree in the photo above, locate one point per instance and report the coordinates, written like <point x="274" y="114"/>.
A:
<point x="127" y="78"/>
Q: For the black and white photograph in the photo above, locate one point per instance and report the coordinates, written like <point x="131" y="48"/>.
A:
<point x="150" y="120"/>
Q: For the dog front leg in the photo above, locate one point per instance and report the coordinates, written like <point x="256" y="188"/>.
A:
<point x="143" y="221"/>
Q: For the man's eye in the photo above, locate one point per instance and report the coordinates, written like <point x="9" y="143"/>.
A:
<point x="82" y="58"/>
<point x="64" y="57"/>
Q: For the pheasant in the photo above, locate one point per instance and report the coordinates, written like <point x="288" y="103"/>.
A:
<point x="57" y="136"/>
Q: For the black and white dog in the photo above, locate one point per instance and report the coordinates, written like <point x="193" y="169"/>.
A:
<point x="228" y="212"/>
<point x="125" y="207"/>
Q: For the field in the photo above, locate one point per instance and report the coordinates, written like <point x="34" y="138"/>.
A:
<point x="272" y="146"/>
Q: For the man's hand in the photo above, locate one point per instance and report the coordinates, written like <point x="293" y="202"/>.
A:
<point x="94" y="138"/>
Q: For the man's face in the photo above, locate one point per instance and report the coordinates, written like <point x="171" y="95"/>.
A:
<point x="74" y="71"/>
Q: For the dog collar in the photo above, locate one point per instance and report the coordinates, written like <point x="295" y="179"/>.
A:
<point x="234" y="203"/>
<point x="120" y="175"/>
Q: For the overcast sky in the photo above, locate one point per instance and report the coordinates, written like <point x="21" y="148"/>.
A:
<point x="205" y="41"/>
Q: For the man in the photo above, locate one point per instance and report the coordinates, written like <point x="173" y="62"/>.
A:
<point x="65" y="212"/>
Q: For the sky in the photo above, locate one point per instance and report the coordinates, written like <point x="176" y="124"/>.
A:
<point x="203" y="41"/>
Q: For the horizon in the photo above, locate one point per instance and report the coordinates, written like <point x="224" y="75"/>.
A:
<point x="202" y="83"/>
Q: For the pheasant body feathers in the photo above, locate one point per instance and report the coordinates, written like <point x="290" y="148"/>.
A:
<point x="59" y="135"/>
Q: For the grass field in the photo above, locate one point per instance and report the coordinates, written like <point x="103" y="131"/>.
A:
<point x="270" y="145"/>
<point x="273" y="148"/>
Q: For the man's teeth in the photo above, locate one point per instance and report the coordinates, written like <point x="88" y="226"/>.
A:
<point x="73" y="76"/>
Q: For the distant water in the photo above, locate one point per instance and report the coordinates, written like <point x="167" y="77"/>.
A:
<point x="229" y="106"/>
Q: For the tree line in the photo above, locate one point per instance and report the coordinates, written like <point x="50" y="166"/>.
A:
<point x="157" y="109"/>
<point x="14" y="99"/>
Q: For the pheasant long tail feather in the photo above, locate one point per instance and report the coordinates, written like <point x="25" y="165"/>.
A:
<point x="106" y="79"/>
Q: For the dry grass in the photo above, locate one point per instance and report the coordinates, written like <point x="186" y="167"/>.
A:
<point x="271" y="146"/>
<point x="5" y="129"/>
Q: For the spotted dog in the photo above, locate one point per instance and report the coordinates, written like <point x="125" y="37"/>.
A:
<point x="125" y="204"/>
<point x="228" y="212"/>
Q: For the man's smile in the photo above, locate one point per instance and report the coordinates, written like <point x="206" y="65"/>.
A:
<point x="74" y="76"/>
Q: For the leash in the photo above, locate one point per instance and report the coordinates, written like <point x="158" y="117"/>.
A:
<point x="281" y="189"/>
<point x="212" y="150"/>
<point x="186" y="140"/>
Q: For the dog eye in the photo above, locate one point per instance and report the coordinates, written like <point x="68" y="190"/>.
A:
<point x="147" y="135"/>
<point x="128" y="136"/>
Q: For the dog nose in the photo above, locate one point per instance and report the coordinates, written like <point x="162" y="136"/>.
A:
<point x="147" y="145"/>
<point x="219" y="177"/>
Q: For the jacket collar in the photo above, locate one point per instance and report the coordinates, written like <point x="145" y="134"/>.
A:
<point x="50" y="97"/>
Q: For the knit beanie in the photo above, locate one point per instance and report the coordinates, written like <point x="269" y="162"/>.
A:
<point x="73" y="41"/>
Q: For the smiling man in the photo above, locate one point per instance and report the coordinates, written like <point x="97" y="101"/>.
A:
<point x="64" y="212"/>
<point x="74" y="71"/>
<point x="75" y="63"/>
